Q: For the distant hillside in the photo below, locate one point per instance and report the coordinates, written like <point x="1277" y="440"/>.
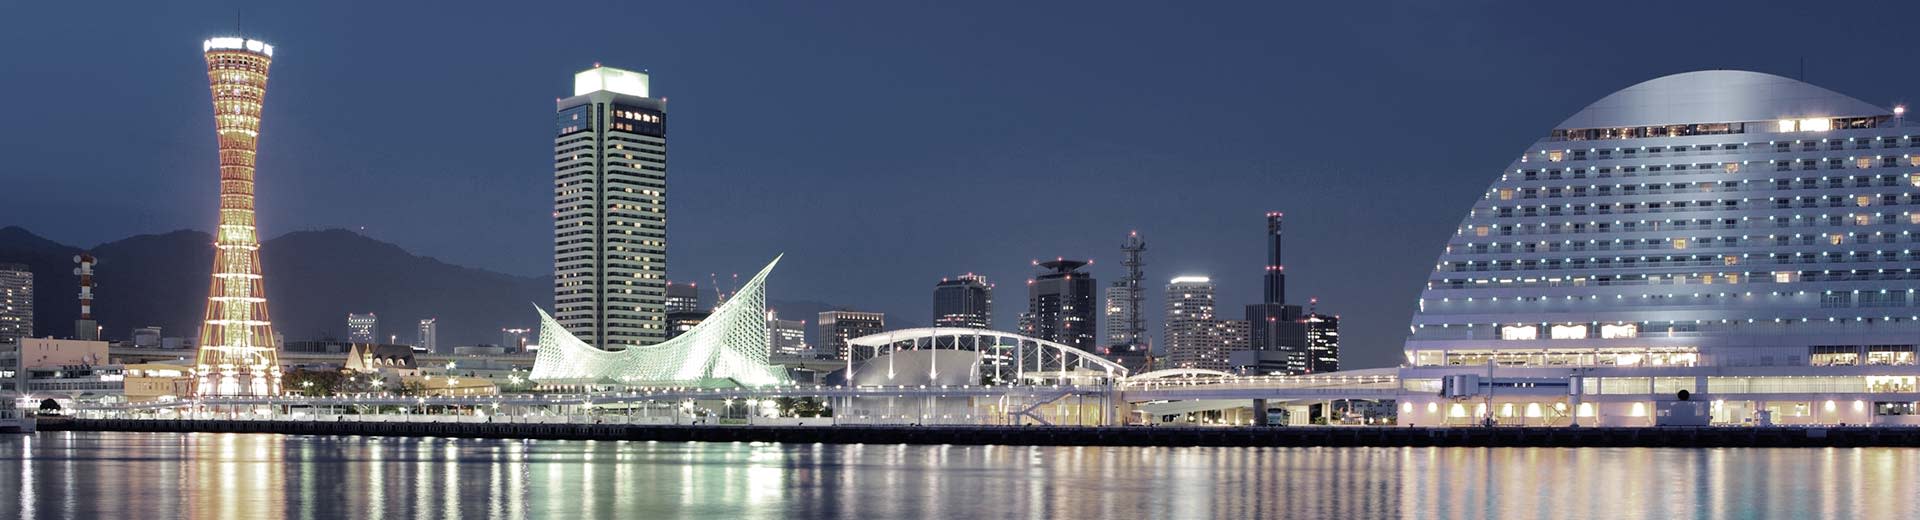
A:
<point x="314" y="278"/>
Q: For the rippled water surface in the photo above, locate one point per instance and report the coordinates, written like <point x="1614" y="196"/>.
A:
<point x="155" y="475"/>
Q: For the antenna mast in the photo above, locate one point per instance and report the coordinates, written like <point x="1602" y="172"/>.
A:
<point x="1136" y="326"/>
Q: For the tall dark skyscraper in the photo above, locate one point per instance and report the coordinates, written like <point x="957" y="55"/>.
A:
<point x="1276" y="332"/>
<point x="963" y="301"/>
<point x="1276" y="289"/>
<point x="1061" y="306"/>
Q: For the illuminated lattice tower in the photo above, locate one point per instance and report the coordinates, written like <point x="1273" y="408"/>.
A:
<point x="237" y="352"/>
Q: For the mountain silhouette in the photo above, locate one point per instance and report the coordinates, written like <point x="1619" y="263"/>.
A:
<point x="313" y="279"/>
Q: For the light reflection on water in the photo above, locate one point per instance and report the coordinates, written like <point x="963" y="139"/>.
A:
<point x="153" y="475"/>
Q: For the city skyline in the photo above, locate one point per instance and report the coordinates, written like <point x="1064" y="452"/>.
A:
<point x="1701" y="269"/>
<point x="1240" y="162"/>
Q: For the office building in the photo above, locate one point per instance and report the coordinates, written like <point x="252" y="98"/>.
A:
<point x="1119" y="310"/>
<point x="1744" y="237"/>
<point x="428" y="335"/>
<point x="1195" y="337"/>
<point x="682" y="297"/>
<point x="1323" y="343"/>
<point x="610" y="210"/>
<point x="237" y="355"/>
<point x="836" y="327"/>
<point x="786" y="337"/>
<point x="1060" y="305"/>
<point x="679" y="322"/>
<point x="963" y="301"/>
<point x="363" y="328"/>
<point x="16" y="303"/>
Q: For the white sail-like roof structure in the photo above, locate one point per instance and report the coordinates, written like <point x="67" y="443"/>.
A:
<point x="729" y="348"/>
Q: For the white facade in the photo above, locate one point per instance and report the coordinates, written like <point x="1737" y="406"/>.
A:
<point x="1742" y="236"/>
<point x="610" y="210"/>
<point x="1196" y="337"/>
<point x="428" y="335"/>
<point x="786" y="337"/>
<point x="1118" y="315"/>
<point x="16" y="302"/>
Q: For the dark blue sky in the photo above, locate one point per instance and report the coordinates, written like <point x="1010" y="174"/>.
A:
<point x="882" y="145"/>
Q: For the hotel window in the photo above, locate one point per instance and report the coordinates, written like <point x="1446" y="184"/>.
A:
<point x="1785" y="276"/>
<point x="1836" y="299"/>
<point x="1833" y="355"/>
<point x="1679" y="243"/>
<point x="1519" y="332"/>
<point x="1569" y="331"/>
<point x="1891" y="355"/>
<point x="1620" y="331"/>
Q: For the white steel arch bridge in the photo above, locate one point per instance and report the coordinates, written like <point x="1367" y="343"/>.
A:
<point x="1003" y="357"/>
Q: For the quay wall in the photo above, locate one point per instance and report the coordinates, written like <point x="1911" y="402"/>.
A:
<point x="1381" y="436"/>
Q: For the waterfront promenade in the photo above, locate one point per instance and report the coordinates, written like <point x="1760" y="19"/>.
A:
<point x="1332" y="436"/>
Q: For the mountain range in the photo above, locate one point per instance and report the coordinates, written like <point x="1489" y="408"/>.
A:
<point x="313" y="280"/>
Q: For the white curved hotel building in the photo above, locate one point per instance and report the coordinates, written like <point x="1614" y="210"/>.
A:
<point x="1742" y="236"/>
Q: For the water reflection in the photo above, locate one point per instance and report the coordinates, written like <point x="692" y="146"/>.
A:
<point x="136" y="475"/>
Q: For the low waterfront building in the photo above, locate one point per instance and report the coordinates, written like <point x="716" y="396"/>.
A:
<point x="454" y="386"/>
<point x="394" y="360"/>
<point x="147" y="382"/>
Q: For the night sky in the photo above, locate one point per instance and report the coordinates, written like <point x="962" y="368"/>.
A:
<point x="882" y="145"/>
